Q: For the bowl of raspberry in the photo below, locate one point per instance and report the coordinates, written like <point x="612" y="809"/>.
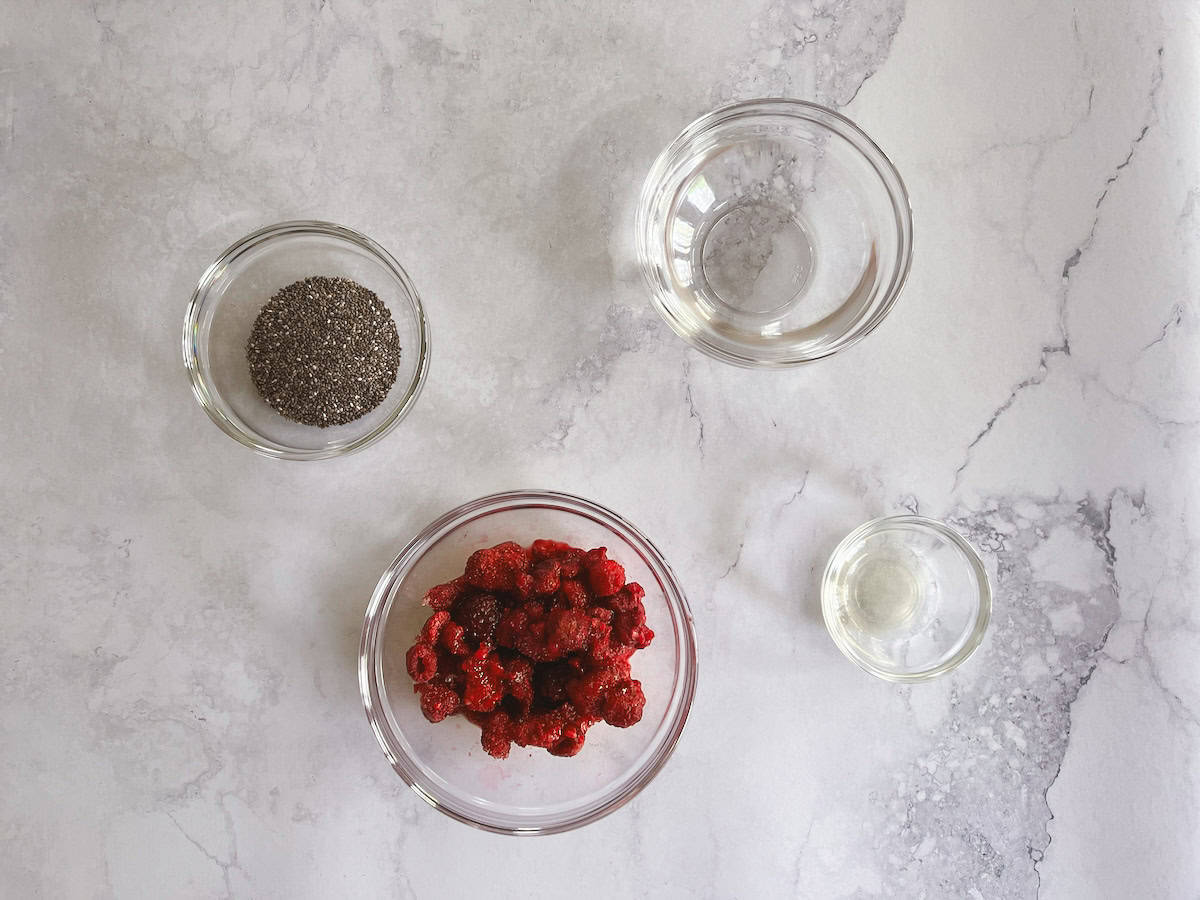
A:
<point x="528" y="662"/>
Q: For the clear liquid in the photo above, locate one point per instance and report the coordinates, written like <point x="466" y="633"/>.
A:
<point x="883" y="593"/>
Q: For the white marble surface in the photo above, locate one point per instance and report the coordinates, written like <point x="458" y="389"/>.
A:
<point x="179" y="713"/>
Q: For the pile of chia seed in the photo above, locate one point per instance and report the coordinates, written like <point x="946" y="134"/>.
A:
<point x="324" y="351"/>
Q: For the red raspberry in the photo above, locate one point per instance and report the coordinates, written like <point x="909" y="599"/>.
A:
<point x="485" y="674"/>
<point x="433" y="627"/>
<point x="532" y="642"/>
<point x="453" y="640"/>
<point x="478" y="615"/>
<point x="541" y="549"/>
<point x="627" y="598"/>
<point x="496" y="734"/>
<point x="572" y="738"/>
<point x="566" y="632"/>
<point x="605" y="577"/>
<point x="496" y="568"/>
<point x="523" y="586"/>
<point x="422" y="662"/>
<point x="587" y="692"/>
<point x="545" y="576"/>
<point x="601" y="614"/>
<point x="625" y="622"/>
<point x="573" y="594"/>
<point x="550" y="682"/>
<point x="565" y="658"/>
<point x="519" y="680"/>
<point x="542" y="729"/>
<point x="510" y="626"/>
<point x="624" y="703"/>
<point x="444" y="595"/>
<point x="438" y="701"/>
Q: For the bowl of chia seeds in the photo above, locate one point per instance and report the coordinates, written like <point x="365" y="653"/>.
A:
<point x="306" y="340"/>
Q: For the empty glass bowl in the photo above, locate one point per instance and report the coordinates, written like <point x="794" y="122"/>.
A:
<point x="228" y="299"/>
<point x="906" y="598"/>
<point x="530" y="792"/>
<point x="773" y="232"/>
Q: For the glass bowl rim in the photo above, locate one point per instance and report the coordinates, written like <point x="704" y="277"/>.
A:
<point x="204" y="392"/>
<point x="830" y="120"/>
<point x="683" y="692"/>
<point x="983" y="613"/>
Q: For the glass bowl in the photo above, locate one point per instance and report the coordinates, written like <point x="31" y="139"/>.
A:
<point x="906" y="598"/>
<point x="773" y="232"/>
<point x="228" y="299"/>
<point x="530" y="792"/>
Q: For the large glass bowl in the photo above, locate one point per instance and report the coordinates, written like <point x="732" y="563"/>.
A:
<point x="228" y="299"/>
<point x="773" y="233"/>
<point x="530" y="792"/>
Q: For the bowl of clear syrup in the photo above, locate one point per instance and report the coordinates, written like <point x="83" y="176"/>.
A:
<point x="906" y="598"/>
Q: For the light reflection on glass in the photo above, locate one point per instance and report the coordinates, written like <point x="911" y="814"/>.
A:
<point x="681" y="236"/>
<point x="701" y="195"/>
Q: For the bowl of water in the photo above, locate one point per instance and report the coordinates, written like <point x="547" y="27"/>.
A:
<point x="773" y="233"/>
<point x="906" y="598"/>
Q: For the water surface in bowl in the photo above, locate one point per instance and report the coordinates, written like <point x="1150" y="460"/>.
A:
<point x="773" y="232"/>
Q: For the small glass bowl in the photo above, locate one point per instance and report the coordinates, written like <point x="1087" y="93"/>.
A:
<point x="773" y="232"/>
<point x="906" y="598"/>
<point x="228" y="299"/>
<point x="530" y="792"/>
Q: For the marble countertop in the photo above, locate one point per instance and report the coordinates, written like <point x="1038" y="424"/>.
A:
<point x="179" y="709"/>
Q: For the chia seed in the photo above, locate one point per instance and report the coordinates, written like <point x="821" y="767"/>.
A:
<point x="324" y="351"/>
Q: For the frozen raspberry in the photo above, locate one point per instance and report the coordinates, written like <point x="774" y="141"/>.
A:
<point x="453" y="639"/>
<point x="532" y="641"/>
<point x="566" y="632"/>
<point x="588" y="691"/>
<point x="519" y="681"/>
<point x="625" y="622"/>
<point x="496" y="734"/>
<point x="565" y="626"/>
<point x="601" y="614"/>
<point x="496" y="568"/>
<point x="422" y="662"/>
<point x="605" y="576"/>
<point x="523" y="585"/>
<point x="550" y="682"/>
<point x="627" y="598"/>
<point x="485" y="674"/>
<point x="541" y="549"/>
<point x="433" y="627"/>
<point x="623" y="704"/>
<point x="573" y="594"/>
<point x="542" y="729"/>
<point x="438" y="701"/>
<point x="478" y="614"/>
<point x="545" y="576"/>
<point x="444" y="595"/>
<point x="572" y="738"/>
<point x="511" y="624"/>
